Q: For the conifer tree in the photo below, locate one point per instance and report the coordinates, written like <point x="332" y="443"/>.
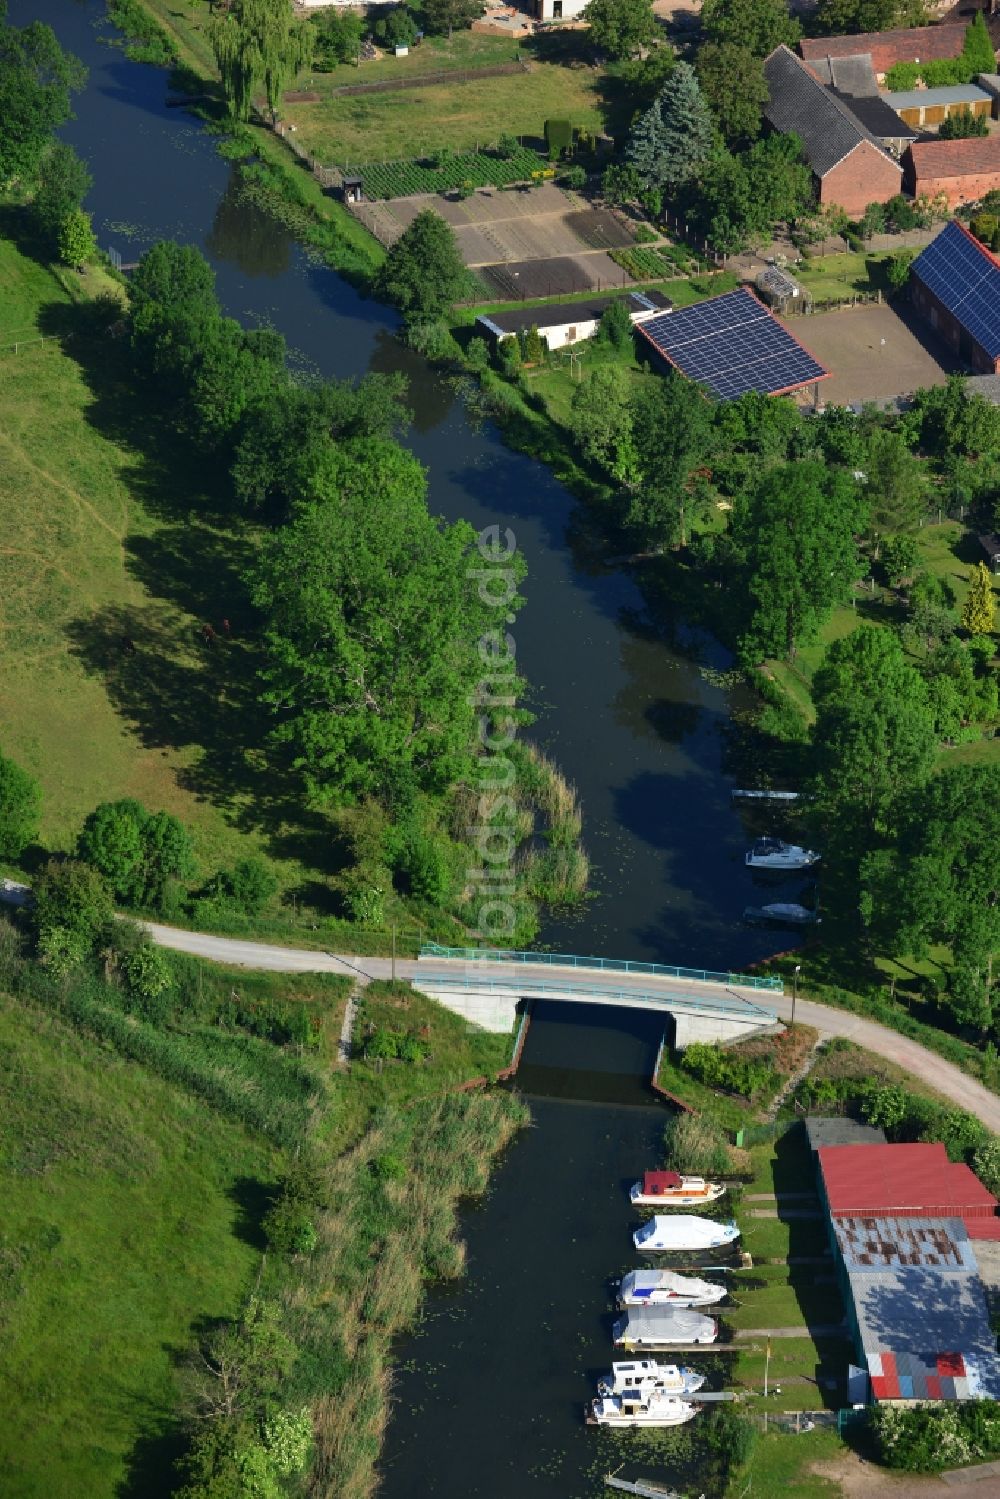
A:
<point x="980" y="605"/>
<point x="674" y="138"/>
<point x="534" y="347"/>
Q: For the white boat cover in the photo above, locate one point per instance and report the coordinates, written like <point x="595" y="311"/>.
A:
<point x="662" y="1324"/>
<point x="683" y="1231"/>
<point x="646" y="1285"/>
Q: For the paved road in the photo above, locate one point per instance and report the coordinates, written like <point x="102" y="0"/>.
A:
<point x="932" y="1069"/>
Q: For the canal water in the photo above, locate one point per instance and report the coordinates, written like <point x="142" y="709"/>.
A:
<point x="491" y="1389"/>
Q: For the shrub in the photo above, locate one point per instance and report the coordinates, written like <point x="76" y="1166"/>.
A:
<point x="534" y="348"/>
<point x="73" y="908"/>
<point x="248" y="886"/>
<point x="574" y="177"/>
<point x="20" y="809"/>
<point x="902" y="77"/>
<point x="139" y="853"/>
<point x="77" y="244"/>
<point x="717" y="1068"/>
<point x="962" y="125"/>
<point x="986" y="1165"/>
<point x="507" y="147"/>
<point x="900" y="213"/>
<point x="477" y="355"/>
<point x="397" y="29"/>
<point x="694" y="1143"/>
<point x="558" y="137"/>
<point x="616" y="324"/>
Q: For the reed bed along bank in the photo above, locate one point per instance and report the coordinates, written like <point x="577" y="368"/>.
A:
<point x="389" y="1227"/>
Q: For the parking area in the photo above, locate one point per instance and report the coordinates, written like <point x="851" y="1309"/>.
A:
<point x="536" y="241"/>
<point x="873" y="352"/>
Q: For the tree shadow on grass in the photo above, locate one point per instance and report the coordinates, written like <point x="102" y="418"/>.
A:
<point x="254" y="1199"/>
<point x="151" y="1467"/>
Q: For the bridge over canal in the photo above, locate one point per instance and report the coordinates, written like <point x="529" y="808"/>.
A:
<point x="486" y="985"/>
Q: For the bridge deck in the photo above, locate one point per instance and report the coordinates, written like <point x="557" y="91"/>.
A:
<point x="594" y="988"/>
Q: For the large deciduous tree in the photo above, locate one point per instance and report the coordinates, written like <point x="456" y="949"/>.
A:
<point x="65" y="182"/>
<point x="137" y="852"/>
<point x="174" y="309"/>
<point x="796" y="531"/>
<point x="258" y="43"/>
<point x="673" y="436"/>
<point x="374" y="614"/>
<point x="673" y="140"/>
<point x="423" y="272"/>
<point x="873" y="739"/>
<point x="758" y="25"/>
<point x="36" y="80"/>
<point x="444" y="15"/>
<point x="895" y="485"/>
<point x="601" y="420"/>
<point x="732" y="80"/>
<point x="20" y="809"/>
<point x="619" y="27"/>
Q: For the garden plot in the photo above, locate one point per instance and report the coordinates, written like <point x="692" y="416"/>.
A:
<point x="531" y="237"/>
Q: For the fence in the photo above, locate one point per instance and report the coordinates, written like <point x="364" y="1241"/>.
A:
<point x="24" y="343"/>
<point x="605" y="965"/>
<point x="429" y="80"/>
<point x="795" y="307"/>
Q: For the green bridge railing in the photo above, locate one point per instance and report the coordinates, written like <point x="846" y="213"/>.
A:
<point x="713" y="1004"/>
<point x="606" y="965"/>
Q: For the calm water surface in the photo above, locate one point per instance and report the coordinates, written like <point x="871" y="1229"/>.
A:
<point x="491" y="1389"/>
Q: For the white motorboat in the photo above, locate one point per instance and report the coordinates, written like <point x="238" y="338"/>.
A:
<point x="684" y="1231"/>
<point x="666" y="1288"/>
<point x="645" y="1374"/>
<point x="772" y="853"/>
<point x="656" y="1409"/>
<point x="663" y="1327"/>
<point x="668" y="1189"/>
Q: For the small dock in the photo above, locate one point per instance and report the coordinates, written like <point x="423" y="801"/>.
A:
<point x="766" y="796"/>
<point x="640" y="1486"/>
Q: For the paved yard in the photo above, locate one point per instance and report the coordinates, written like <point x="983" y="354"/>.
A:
<point x="872" y="352"/>
<point x="537" y="241"/>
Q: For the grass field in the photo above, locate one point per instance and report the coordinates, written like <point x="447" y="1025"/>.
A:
<point x="839" y="277"/>
<point x="124" y="1221"/>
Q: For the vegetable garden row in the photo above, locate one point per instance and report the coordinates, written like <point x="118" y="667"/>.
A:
<point x="654" y="264"/>
<point x="405" y="179"/>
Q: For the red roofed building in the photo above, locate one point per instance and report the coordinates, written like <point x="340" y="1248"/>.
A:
<point x="963" y="171"/>
<point x="907" y="1181"/>
<point x="886" y="48"/>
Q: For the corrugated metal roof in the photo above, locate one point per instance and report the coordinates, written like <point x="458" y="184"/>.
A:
<point x="921" y="1311"/>
<point x="915" y="1181"/>
<point x="869" y="1244"/>
<point x="943" y="1376"/>
<point x="954" y="93"/>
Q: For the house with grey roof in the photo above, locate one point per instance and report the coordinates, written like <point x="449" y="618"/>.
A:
<point x="850" y="166"/>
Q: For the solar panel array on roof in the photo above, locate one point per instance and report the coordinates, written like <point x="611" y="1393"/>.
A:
<point x="732" y="344"/>
<point x="964" y="278"/>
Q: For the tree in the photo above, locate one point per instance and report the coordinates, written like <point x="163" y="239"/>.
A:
<point x="900" y="556"/>
<point x="732" y="81"/>
<point x="77" y="244"/>
<point x="616" y="325"/>
<point x="249" y="885"/>
<point x="758" y="25"/>
<point x="36" y="80"/>
<point x="136" y="851"/>
<point x="980" y="604"/>
<point x="673" y="436"/>
<point x="257" y="42"/>
<point x="601" y="421"/>
<point x="338" y="36"/>
<point x="534" y="346"/>
<point x="796" y="531"/>
<point x="977" y="49"/>
<point x="20" y="809"/>
<point x="174" y="310"/>
<point x="423" y="271"/>
<point x="673" y="140"/>
<point x="620" y="183"/>
<point x="72" y="909"/>
<point x="948" y="867"/>
<point x="236" y="370"/>
<point x="895" y="485"/>
<point x="445" y="15"/>
<point x="65" y="182"/>
<point x="373" y="615"/>
<point x="620" y="27"/>
<point x="834" y="17"/>
<point x="873" y="738"/>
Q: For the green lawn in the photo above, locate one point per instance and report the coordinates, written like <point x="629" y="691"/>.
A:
<point x="122" y="1226"/>
<point x="838" y="277"/>
<point x="782" y="1464"/>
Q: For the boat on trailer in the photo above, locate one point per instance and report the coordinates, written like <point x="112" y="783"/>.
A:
<point x="655" y="1409"/>
<point x="684" y="1231"/>
<point x="772" y="853"/>
<point x="646" y="1374"/>
<point x="669" y="1189"/>
<point x="663" y="1327"/>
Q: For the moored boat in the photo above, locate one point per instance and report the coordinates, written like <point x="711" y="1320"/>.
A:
<point x="666" y="1288"/>
<point x="670" y="1189"/>
<point x="658" y="1409"/>
<point x="683" y="1232"/>
<point x="645" y="1374"/>
<point x="772" y="853"/>
<point x="785" y="913"/>
<point x="662" y="1327"/>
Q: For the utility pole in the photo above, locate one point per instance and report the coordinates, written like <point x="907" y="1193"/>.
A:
<point x="795" y="988"/>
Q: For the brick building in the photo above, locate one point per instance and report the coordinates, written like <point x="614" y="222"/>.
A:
<point x="850" y="166"/>
<point x="964" y="171"/>
<point x="886" y="48"/>
<point x="955" y="285"/>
